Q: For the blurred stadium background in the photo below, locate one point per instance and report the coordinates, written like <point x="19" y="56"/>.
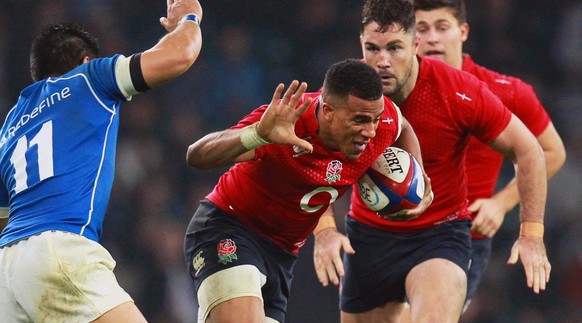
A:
<point x="249" y="47"/>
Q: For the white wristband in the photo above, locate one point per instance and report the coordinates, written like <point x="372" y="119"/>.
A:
<point x="250" y="139"/>
<point x="189" y="17"/>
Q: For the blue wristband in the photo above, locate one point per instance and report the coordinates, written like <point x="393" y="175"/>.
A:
<point x="190" y="17"/>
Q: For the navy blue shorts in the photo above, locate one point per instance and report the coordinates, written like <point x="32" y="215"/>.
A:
<point x="376" y="273"/>
<point x="480" y="256"/>
<point x="210" y="226"/>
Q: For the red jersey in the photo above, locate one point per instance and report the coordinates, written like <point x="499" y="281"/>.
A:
<point x="446" y="108"/>
<point x="483" y="163"/>
<point x="282" y="192"/>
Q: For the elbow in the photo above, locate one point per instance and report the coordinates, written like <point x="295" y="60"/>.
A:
<point x="561" y="157"/>
<point x="191" y="157"/>
<point x="187" y="56"/>
<point x="555" y="161"/>
<point x="195" y="160"/>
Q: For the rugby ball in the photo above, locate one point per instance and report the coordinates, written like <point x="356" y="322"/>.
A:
<point x="393" y="183"/>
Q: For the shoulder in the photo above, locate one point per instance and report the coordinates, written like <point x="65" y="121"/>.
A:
<point x="510" y="89"/>
<point x="105" y="76"/>
<point x="449" y="81"/>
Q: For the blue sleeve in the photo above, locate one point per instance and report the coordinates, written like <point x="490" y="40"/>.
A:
<point x="101" y="74"/>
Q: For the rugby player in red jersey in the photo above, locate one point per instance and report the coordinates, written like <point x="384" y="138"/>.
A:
<point x="442" y="27"/>
<point x="294" y="157"/>
<point x="425" y="259"/>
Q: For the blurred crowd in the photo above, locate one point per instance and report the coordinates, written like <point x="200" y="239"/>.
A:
<point x="251" y="46"/>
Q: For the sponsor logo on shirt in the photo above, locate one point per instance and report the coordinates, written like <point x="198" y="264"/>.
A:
<point x="46" y="103"/>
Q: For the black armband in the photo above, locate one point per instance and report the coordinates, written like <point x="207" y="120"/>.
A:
<point x="137" y="79"/>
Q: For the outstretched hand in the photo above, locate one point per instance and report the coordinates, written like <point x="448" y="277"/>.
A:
<point x="177" y="9"/>
<point x="327" y="258"/>
<point x="277" y="124"/>
<point x="532" y="252"/>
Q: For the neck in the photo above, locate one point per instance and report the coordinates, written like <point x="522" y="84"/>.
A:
<point x="407" y="88"/>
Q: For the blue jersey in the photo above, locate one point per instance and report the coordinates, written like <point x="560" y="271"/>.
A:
<point x="57" y="152"/>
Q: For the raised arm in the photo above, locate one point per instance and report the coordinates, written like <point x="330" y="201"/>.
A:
<point x="277" y="125"/>
<point x="176" y="51"/>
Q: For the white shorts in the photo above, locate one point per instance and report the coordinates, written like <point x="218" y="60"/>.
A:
<point x="57" y="277"/>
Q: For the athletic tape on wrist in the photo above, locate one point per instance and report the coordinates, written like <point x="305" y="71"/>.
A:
<point x="531" y="229"/>
<point x="325" y="222"/>
<point x="250" y="139"/>
<point x="189" y="17"/>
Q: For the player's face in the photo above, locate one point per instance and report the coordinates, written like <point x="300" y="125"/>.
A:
<point x="391" y="54"/>
<point x="353" y="125"/>
<point x="441" y="35"/>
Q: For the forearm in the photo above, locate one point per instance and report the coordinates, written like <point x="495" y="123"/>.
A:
<point x="531" y="186"/>
<point x="555" y="156"/>
<point x="218" y="149"/>
<point x="326" y="221"/>
<point x="173" y="55"/>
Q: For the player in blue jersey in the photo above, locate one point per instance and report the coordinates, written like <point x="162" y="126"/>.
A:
<point x="57" y="154"/>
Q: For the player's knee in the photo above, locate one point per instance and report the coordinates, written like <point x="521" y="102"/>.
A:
<point x="227" y="284"/>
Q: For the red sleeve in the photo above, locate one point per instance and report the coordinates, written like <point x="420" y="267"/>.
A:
<point x="491" y="117"/>
<point x="528" y="108"/>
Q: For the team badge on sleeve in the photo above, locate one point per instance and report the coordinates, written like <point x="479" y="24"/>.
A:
<point x="226" y="251"/>
<point x="334" y="169"/>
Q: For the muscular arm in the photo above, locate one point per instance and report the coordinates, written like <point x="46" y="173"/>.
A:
<point x="277" y="125"/>
<point x="218" y="149"/>
<point x="555" y="156"/>
<point x="176" y="51"/>
<point x="517" y="143"/>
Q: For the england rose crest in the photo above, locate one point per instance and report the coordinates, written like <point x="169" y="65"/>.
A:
<point x="334" y="169"/>
<point x="226" y="251"/>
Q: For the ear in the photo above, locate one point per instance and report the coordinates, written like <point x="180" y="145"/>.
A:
<point x="327" y="111"/>
<point x="85" y="60"/>
<point x="464" y="31"/>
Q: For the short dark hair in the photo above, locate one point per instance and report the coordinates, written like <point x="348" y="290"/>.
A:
<point x="388" y="12"/>
<point x="352" y="77"/>
<point x="60" y="48"/>
<point x="457" y="7"/>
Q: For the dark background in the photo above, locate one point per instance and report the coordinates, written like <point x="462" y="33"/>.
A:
<point x="251" y="46"/>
